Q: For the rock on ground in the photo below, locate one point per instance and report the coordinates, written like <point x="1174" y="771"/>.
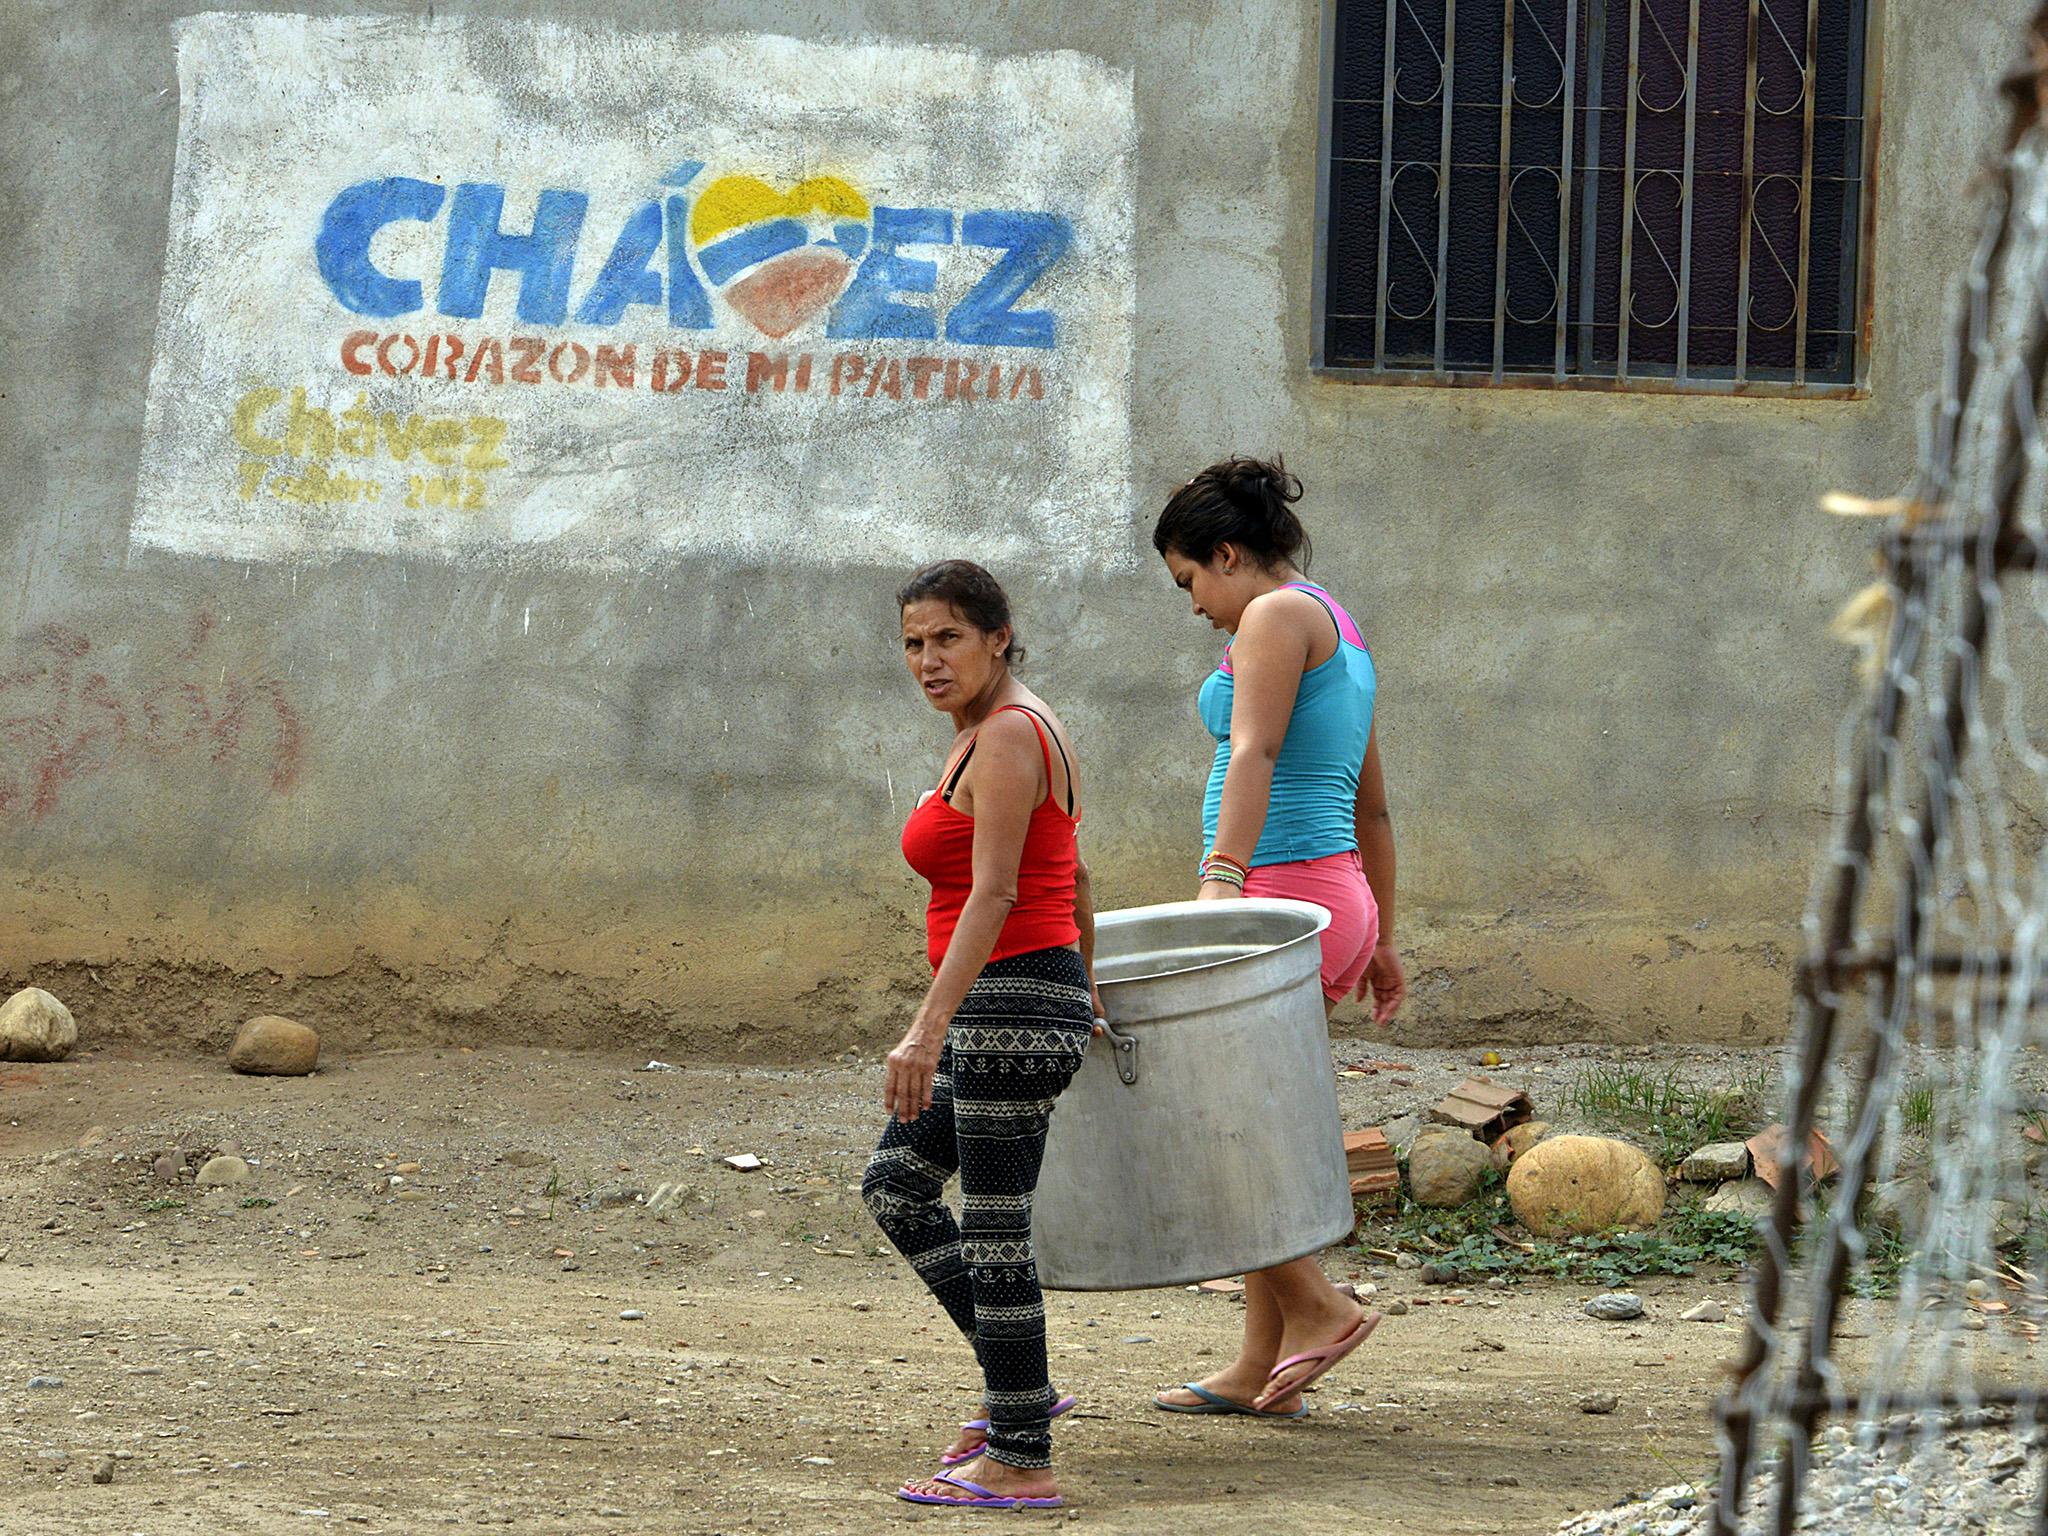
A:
<point x="1572" y="1185"/>
<point x="1615" y="1307"/>
<point x="1512" y="1143"/>
<point x="34" y="1026"/>
<point x="270" y="1046"/>
<point x="1742" y="1197"/>
<point x="1716" y="1163"/>
<point x="1445" y="1167"/>
<point x="223" y="1170"/>
<point x="1899" y="1205"/>
<point x="1401" y="1132"/>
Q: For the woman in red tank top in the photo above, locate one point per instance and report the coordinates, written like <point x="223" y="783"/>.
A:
<point x="1010" y="932"/>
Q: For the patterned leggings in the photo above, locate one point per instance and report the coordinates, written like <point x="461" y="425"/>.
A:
<point x="1016" y="1041"/>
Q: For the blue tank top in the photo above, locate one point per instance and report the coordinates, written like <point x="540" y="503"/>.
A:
<point x="1312" y="812"/>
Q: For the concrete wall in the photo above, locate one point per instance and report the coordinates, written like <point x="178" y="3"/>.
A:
<point x="486" y="793"/>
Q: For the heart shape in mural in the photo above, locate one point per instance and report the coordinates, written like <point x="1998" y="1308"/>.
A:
<point x="779" y="258"/>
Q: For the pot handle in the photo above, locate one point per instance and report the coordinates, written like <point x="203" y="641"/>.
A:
<point x="1126" y="1048"/>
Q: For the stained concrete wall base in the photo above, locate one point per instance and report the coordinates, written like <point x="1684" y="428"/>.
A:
<point x="824" y="986"/>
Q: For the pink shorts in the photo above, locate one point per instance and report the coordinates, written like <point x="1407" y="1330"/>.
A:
<point x="1336" y="882"/>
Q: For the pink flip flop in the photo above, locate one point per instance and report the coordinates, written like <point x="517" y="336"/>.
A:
<point x="974" y="1496"/>
<point x="1319" y="1362"/>
<point x="949" y="1460"/>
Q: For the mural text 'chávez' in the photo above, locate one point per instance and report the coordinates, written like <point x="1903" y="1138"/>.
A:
<point x="776" y="259"/>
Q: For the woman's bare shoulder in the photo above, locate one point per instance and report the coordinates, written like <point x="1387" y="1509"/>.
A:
<point x="1045" y="711"/>
<point x="1009" y="729"/>
<point x="1282" y="615"/>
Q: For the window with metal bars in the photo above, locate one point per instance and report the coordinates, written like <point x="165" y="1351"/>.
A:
<point x="1612" y="194"/>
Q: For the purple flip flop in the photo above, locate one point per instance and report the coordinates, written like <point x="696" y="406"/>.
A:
<point x="974" y="1496"/>
<point x="1058" y="1408"/>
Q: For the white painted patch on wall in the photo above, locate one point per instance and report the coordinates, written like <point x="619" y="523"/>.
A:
<point x="473" y="290"/>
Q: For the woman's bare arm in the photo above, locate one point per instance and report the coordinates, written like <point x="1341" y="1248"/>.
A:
<point x="1084" y="919"/>
<point x="1385" y="981"/>
<point x="1375" y="830"/>
<point x="1008" y="773"/>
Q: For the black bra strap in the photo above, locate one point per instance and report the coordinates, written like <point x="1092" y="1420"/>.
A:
<point x="953" y="779"/>
<point x="1054" y="737"/>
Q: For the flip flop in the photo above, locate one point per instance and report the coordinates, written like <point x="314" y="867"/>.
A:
<point x="1319" y="1360"/>
<point x="974" y="1496"/>
<point x="1213" y="1403"/>
<point x="949" y="1460"/>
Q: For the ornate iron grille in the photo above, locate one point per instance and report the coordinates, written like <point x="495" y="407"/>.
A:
<point x="1662" y="194"/>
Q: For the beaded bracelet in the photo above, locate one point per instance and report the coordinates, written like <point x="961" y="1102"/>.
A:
<point x="1219" y="866"/>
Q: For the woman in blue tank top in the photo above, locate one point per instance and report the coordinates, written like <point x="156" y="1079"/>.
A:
<point x="1295" y="807"/>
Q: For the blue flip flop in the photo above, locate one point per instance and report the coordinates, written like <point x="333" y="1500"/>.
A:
<point x="1213" y="1403"/>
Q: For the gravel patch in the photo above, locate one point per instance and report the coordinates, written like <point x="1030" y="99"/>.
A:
<point x="1977" y="1478"/>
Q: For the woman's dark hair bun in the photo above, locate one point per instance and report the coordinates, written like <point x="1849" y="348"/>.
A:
<point x="974" y="594"/>
<point x="1242" y="501"/>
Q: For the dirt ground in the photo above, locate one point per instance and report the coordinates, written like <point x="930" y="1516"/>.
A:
<point x="325" y="1348"/>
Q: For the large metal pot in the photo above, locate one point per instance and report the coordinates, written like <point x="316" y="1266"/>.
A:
<point x="1200" y="1137"/>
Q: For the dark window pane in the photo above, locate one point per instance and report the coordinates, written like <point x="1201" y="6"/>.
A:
<point x="1351" y="282"/>
<point x="1356" y="132"/>
<point x="1410" y="343"/>
<point x="1469" y="259"/>
<point x="1468" y="345"/>
<point x="1348" y="342"/>
<point x="1476" y="60"/>
<point x="1716" y="226"/>
<point x="1358" y="69"/>
<point x="1724" y="60"/>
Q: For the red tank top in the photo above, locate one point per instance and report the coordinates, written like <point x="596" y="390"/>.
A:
<point x="938" y="841"/>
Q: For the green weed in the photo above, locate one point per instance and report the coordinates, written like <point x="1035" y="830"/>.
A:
<point x="164" y="1203"/>
<point x="1877" y="1277"/>
<point x="1676" y="1117"/>
<point x="1916" y="1106"/>
<point x="1468" y="1243"/>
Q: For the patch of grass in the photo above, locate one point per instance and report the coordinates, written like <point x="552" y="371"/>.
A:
<point x="1916" y="1106"/>
<point x="257" y="1203"/>
<point x="1468" y="1243"/>
<point x="1676" y="1117"/>
<point x="1877" y="1277"/>
<point x="164" y="1203"/>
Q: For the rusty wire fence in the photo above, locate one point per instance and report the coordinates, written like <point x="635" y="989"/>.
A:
<point x="1920" y="1006"/>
